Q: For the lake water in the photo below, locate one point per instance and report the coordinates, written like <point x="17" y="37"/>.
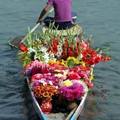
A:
<point x="99" y="18"/>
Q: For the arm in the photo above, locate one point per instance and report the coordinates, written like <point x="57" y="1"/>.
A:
<point x="44" y="12"/>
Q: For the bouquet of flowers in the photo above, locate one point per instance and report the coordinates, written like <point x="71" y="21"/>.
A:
<point x="59" y="66"/>
<point x="72" y="90"/>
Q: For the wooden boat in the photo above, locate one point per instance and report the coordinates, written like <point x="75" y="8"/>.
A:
<point x="73" y="115"/>
<point x="35" y="87"/>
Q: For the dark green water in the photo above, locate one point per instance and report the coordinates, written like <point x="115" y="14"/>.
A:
<point x="98" y="17"/>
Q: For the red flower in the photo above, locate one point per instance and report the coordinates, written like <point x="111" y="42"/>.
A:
<point x="46" y="106"/>
<point x="64" y="54"/>
<point x="70" y="52"/>
<point x="76" y="52"/>
<point x="23" y="47"/>
<point x="90" y="56"/>
<point x="66" y="45"/>
<point x="98" y="58"/>
<point x="37" y="76"/>
<point x="106" y="58"/>
<point x="54" y="44"/>
<point x="73" y="76"/>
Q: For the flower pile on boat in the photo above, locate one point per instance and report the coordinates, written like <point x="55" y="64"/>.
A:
<point x="59" y="66"/>
<point x="72" y="90"/>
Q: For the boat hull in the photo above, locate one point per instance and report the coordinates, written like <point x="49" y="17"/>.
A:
<point x="73" y="115"/>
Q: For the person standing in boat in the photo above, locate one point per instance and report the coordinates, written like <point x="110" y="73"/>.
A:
<point x="63" y="14"/>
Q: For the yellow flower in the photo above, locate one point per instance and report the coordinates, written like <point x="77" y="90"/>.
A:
<point x="91" y="74"/>
<point x="67" y="83"/>
<point x="82" y="63"/>
<point x="54" y="62"/>
<point x="63" y="63"/>
<point x="71" y="61"/>
<point x="76" y="61"/>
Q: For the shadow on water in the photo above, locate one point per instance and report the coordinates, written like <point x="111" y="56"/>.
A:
<point x="32" y="115"/>
<point x="92" y="108"/>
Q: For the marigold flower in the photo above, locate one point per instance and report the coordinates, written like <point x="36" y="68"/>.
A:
<point x="45" y="91"/>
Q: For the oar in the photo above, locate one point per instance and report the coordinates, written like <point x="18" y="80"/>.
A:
<point x="17" y="40"/>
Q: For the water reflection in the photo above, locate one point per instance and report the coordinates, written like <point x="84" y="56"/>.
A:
<point x="92" y="107"/>
<point x="31" y="113"/>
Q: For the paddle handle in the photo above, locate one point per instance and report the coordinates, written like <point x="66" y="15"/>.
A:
<point x="34" y="28"/>
<point x="31" y="31"/>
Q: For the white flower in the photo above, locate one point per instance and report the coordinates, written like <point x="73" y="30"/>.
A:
<point x="32" y="50"/>
<point x="42" y="81"/>
<point x="46" y="57"/>
<point x="43" y="49"/>
<point x="59" y="50"/>
<point x="80" y="56"/>
<point x="52" y="57"/>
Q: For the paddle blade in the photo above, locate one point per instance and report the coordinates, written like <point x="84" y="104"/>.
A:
<point x="16" y="41"/>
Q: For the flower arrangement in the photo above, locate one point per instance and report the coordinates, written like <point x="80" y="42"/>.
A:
<point x="44" y="90"/>
<point x="59" y="66"/>
<point x="72" y="90"/>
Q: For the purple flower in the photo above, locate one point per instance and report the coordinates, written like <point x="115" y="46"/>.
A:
<point x="72" y="92"/>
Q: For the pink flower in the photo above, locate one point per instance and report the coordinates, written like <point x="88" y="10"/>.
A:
<point x="73" y="92"/>
<point x="37" y="67"/>
<point x="84" y="45"/>
<point x="37" y="76"/>
<point x="73" y="76"/>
